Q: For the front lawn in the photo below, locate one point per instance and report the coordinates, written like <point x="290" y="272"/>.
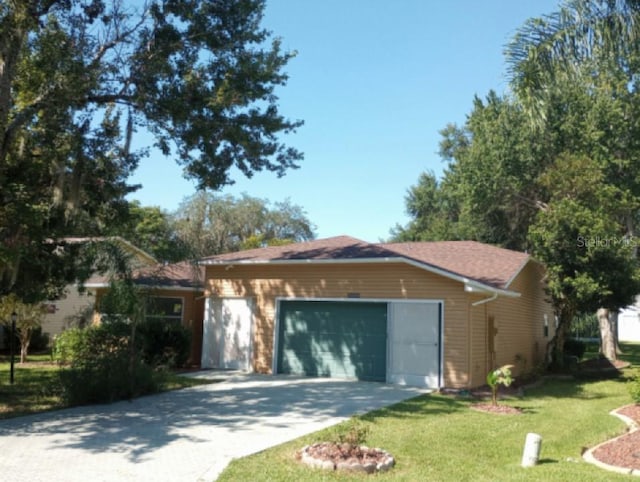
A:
<point x="437" y="437"/>
<point x="36" y="387"/>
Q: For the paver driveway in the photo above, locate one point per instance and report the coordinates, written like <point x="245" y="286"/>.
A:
<point x="182" y="436"/>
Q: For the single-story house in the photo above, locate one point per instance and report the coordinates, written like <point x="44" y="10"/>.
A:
<point x="175" y="295"/>
<point x="76" y="307"/>
<point x="434" y="314"/>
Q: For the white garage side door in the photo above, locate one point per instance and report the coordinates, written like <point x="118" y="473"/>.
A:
<point x="414" y="343"/>
<point x="236" y="318"/>
<point x="226" y="340"/>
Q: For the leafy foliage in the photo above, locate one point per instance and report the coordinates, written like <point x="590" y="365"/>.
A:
<point x="499" y="376"/>
<point x="101" y="368"/>
<point x="551" y="169"/>
<point x="29" y="319"/>
<point x="575" y="348"/>
<point x="352" y="432"/>
<point x="79" y="77"/>
<point x="633" y="386"/>
<point x="152" y="230"/>
<point x="211" y="224"/>
<point x="164" y="344"/>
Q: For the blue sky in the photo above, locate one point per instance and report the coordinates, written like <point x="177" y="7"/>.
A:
<point x="375" y="81"/>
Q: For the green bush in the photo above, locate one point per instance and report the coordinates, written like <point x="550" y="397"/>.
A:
<point x="164" y="344"/>
<point x="66" y="345"/>
<point x="104" y="367"/>
<point x="352" y="432"/>
<point x="633" y="386"/>
<point x="574" y="348"/>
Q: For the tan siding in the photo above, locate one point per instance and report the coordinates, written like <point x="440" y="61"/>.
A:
<point x="265" y="283"/>
<point x="466" y="357"/>
<point x="480" y="361"/>
<point x="520" y="322"/>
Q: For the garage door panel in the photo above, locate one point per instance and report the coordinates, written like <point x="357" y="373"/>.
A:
<point x="337" y="339"/>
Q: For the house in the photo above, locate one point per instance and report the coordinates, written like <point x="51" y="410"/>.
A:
<point x="76" y="307"/>
<point x="434" y="314"/>
<point x="175" y="291"/>
<point x="629" y="322"/>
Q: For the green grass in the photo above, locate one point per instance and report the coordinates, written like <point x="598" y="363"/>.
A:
<point x="36" y="388"/>
<point x="440" y="438"/>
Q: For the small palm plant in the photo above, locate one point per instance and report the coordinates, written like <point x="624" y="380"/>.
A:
<point x="499" y="376"/>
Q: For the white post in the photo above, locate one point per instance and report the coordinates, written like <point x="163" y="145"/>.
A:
<point x="531" y="452"/>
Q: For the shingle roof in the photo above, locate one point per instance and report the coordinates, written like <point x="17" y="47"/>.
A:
<point x="483" y="263"/>
<point x="176" y="275"/>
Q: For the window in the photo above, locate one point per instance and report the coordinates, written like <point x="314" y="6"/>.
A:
<point x="165" y="309"/>
<point x="546" y="325"/>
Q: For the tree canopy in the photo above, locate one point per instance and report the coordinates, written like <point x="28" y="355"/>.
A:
<point x="552" y="168"/>
<point x="211" y="224"/>
<point x="79" y="78"/>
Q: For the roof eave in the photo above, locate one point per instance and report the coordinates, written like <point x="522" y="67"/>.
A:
<point x="469" y="284"/>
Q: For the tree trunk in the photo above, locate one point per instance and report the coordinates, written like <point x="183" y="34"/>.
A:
<point x="24" y="350"/>
<point x="607" y="334"/>
<point x="613" y="316"/>
<point x="555" y="348"/>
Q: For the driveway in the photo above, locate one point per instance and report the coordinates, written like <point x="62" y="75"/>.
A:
<point x="185" y="435"/>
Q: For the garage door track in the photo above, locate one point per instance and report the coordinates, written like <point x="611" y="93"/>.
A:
<point x="185" y="435"/>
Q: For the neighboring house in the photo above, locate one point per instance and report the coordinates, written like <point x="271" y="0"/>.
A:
<point x="629" y="322"/>
<point x="434" y="314"/>
<point x="76" y="308"/>
<point x="175" y="293"/>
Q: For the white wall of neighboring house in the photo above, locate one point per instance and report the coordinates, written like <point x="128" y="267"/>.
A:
<point x="629" y="322"/>
<point x="66" y="312"/>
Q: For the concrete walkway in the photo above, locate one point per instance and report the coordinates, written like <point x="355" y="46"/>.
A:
<point x="185" y="435"/>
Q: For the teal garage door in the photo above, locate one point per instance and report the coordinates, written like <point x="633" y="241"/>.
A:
<point x="338" y="339"/>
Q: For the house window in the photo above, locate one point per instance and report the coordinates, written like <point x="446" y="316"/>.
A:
<point x="166" y="309"/>
<point x="546" y="325"/>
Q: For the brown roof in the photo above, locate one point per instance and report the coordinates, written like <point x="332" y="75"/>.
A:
<point x="478" y="261"/>
<point x="464" y="260"/>
<point x="339" y="247"/>
<point x="176" y="275"/>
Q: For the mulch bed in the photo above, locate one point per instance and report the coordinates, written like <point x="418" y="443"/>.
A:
<point x="345" y="456"/>
<point x="623" y="451"/>
<point x="497" y="409"/>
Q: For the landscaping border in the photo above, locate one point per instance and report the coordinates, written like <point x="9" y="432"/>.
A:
<point x="590" y="458"/>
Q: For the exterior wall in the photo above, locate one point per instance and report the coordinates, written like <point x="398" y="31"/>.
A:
<point x="520" y="339"/>
<point x="629" y="323"/>
<point x="265" y="283"/>
<point x="192" y="315"/>
<point x="73" y="310"/>
<point x="480" y="359"/>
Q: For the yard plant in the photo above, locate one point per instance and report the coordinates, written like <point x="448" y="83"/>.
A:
<point x="497" y="377"/>
<point x="437" y="437"/>
<point x="37" y="386"/>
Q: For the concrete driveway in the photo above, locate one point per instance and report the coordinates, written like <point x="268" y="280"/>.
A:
<point x="185" y="435"/>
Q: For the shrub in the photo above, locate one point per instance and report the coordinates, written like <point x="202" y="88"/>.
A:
<point x="352" y="432"/>
<point x="164" y="344"/>
<point x="574" y="348"/>
<point x="66" y="344"/>
<point x="104" y="367"/>
<point x="633" y="386"/>
<point x="499" y="376"/>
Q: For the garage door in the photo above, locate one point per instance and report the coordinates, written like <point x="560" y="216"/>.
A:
<point x="333" y="338"/>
